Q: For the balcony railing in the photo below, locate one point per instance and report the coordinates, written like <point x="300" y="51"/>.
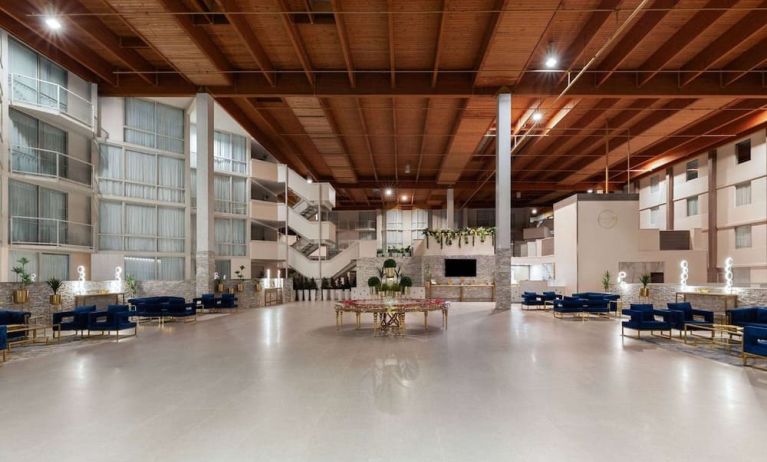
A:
<point x="233" y="207"/>
<point x="53" y="164"/>
<point x="51" y="231"/>
<point x="225" y="164"/>
<point x="51" y="96"/>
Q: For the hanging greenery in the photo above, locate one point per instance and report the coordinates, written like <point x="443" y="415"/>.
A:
<point x="447" y="236"/>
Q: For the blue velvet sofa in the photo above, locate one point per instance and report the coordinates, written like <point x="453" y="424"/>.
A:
<point x="4" y="341"/>
<point x="754" y="316"/>
<point x="162" y="307"/>
<point x="9" y="317"/>
<point x="532" y="301"/>
<point x="116" y="318"/>
<point x="612" y="299"/>
<point x="210" y="302"/>
<point x="754" y="343"/>
<point x="681" y="314"/>
<point x="75" y="320"/>
<point x="570" y="307"/>
<point x="642" y="319"/>
<point x="551" y="296"/>
<point x="228" y="301"/>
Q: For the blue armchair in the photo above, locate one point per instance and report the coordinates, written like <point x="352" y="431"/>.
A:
<point x="681" y="314"/>
<point x="531" y="300"/>
<point x="208" y="301"/>
<point x="4" y="341"/>
<point x="75" y="320"/>
<point x="115" y="318"/>
<point x="597" y="306"/>
<point x="180" y="309"/>
<point x="227" y="301"/>
<point x="570" y="306"/>
<point x="754" y="343"/>
<point x="9" y="317"/>
<point x="551" y="296"/>
<point x="642" y="318"/>
<point x="743" y="317"/>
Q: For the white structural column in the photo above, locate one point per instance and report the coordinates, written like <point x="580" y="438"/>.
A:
<point x="205" y="257"/>
<point x="503" y="203"/>
<point x="450" y="209"/>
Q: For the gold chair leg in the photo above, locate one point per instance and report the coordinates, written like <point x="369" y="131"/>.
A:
<point x="358" y="320"/>
<point x="426" y="320"/>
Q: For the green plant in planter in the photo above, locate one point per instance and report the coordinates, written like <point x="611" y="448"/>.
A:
<point x="645" y="279"/>
<point x="374" y="282"/>
<point x="389" y="263"/>
<point x="130" y="285"/>
<point x="325" y="283"/>
<point x="54" y="284"/>
<point x="606" y="280"/>
<point x="23" y="277"/>
<point x="405" y="282"/>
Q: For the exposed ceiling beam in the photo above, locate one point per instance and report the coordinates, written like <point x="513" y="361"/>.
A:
<point x="632" y="38"/>
<point x="200" y="39"/>
<point x="390" y="32"/>
<point x="366" y="135"/>
<point x="98" y="31"/>
<point x="424" y="133"/>
<point x="371" y="183"/>
<point x="489" y="38"/>
<point x="438" y="50"/>
<point x="341" y="139"/>
<point x="394" y="137"/>
<point x="590" y="29"/>
<point x="751" y="24"/>
<point x="621" y="85"/>
<point x="248" y="37"/>
<point x="343" y="39"/>
<point x="712" y="11"/>
<point x="27" y="15"/>
<point x="752" y="58"/>
<point x="295" y="40"/>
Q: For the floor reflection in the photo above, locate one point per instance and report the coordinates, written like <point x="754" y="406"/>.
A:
<point x="393" y="378"/>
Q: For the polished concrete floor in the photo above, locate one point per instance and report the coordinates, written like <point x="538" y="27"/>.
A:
<point x="282" y="384"/>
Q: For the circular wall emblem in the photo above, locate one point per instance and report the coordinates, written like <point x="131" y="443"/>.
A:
<point x="607" y="219"/>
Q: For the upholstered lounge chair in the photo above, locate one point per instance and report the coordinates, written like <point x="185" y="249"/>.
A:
<point x="679" y="314"/>
<point x="643" y="320"/>
<point x="532" y="301"/>
<point x="116" y="318"/>
<point x="569" y="306"/>
<point x="754" y="316"/>
<point x="75" y="320"/>
<point x="11" y="317"/>
<point x="754" y="343"/>
<point x="4" y="341"/>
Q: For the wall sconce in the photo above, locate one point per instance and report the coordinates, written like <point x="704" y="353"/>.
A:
<point x="81" y="273"/>
<point x="118" y="273"/>
<point x="684" y="274"/>
<point x="728" y="274"/>
<point x="621" y="279"/>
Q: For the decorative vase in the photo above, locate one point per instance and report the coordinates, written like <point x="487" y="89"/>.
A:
<point x="219" y="287"/>
<point x="55" y="299"/>
<point x="240" y="287"/>
<point x="644" y="292"/>
<point x="20" y="296"/>
<point x="390" y="272"/>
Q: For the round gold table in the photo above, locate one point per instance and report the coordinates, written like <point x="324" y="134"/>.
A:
<point x="389" y="314"/>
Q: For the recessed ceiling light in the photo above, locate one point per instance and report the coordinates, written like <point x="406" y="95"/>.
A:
<point x="590" y="191"/>
<point x="534" y="211"/>
<point x="52" y="22"/>
<point x="537" y="116"/>
<point x="309" y="180"/>
<point x="388" y="191"/>
<point x="404" y="198"/>
<point x="551" y="62"/>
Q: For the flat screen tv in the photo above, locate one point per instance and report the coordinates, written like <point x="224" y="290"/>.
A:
<point x="460" y="267"/>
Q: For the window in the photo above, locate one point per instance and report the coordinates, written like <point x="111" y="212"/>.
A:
<point x="654" y="213"/>
<point x="394" y="228"/>
<point x="141" y="228"/>
<point x="743" y="194"/>
<point x="419" y="220"/>
<point x="154" y="125"/>
<point x="692" y="170"/>
<point x="654" y="184"/>
<point x="230" y="151"/>
<point x="142" y="175"/>
<point x="38" y="216"/>
<point x="224" y="268"/>
<point x="231" y="237"/>
<point x="44" y="265"/>
<point x="743" y="237"/>
<point x="39" y="148"/>
<point x="35" y="79"/>
<point x="743" y="151"/>
<point x="151" y="268"/>
<point x="230" y="194"/>
<point x="692" y="206"/>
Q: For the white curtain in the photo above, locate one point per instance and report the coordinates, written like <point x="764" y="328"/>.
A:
<point x="24" y="142"/>
<point x="110" y="226"/>
<point x="171" y="268"/>
<point x="139" y="122"/>
<point x="743" y="194"/>
<point x="53" y="141"/>
<point x="171" y="229"/>
<point x="170" y="128"/>
<point x="223" y="234"/>
<point x="222" y="190"/>
<point x="743" y="237"/>
<point x="239" y="154"/>
<point x="52" y="77"/>
<point x="239" y="237"/>
<point x="111" y="170"/>
<point x="193" y="145"/>
<point x="222" y="152"/>
<point x="141" y="227"/>
<point x="224" y="268"/>
<point x="141" y="174"/>
<point x="23" y="203"/>
<point x="53" y="266"/>
<point x="23" y="63"/>
<point x="141" y="268"/>
<point x="15" y="256"/>
<point x="171" y="176"/>
<point x="692" y="206"/>
<point x="239" y="196"/>
<point x="53" y="206"/>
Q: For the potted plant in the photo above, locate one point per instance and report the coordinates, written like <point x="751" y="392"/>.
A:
<point x="390" y="267"/>
<point x="21" y="295"/>
<point x="374" y="284"/>
<point x="218" y="283"/>
<point x="297" y="289"/>
<point x="325" y="289"/>
<point x="55" y="285"/>
<point x="644" y="291"/>
<point x="131" y="286"/>
<point x="313" y="289"/>
<point x="405" y="284"/>
<point x="606" y="281"/>
<point x="240" y="273"/>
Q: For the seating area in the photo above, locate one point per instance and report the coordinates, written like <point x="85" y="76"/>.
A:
<point x="584" y="305"/>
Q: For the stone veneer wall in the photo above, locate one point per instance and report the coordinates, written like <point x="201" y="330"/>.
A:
<point x="39" y="293"/>
<point x="660" y="294"/>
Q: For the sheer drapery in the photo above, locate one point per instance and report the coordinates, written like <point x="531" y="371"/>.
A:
<point x="171" y="268"/>
<point x="743" y="194"/>
<point x="224" y="268"/>
<point x="140" y="227"/>
<point x="53" y="210"/>
<point x="170" y="128"/>
<point x="110" y="226"/>
<point x="171" y="228"/>
<point x="154" y="125"/>
<point x="222" y="191"/>
<point x="743" y="237"/>
<point x="23" y="61"/>
<point x="23" y="203"/>
<point x="231" y="237"/>
<point x="141" y="268"/>
<point x="141" y="175"/>
<point x="53" y="266"/>
<point x="111" y="170"/>
<point x="230" y="152"/>
<point x="53" y="141"/>
<point x="24" y="141"/>
<point x="52" y="78"/>
<point x="171" y="179"/>
<point x="13" y="260"/>
<point x="139" y="122"/>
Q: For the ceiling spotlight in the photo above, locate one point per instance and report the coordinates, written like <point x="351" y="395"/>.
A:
<point x="590" y="191"/>
<point x="404" y="198"/>
<point x="407" y="168"/>
<point x="537" y="116"/>
<point x="534" y="211"/>
<point x="388" y="191"/>
<point x="551" y="62"/>
<point x="309" y="180"/>
<point x="53" y="23"/>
